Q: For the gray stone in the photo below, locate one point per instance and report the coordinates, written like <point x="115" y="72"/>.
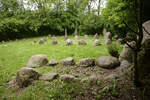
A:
<point x="76" y="37"/>
<point x="48" y="76"/>
<point x="41" y="41"/>
<point x="108" y="38"/>
<point x="96" y="36"/>
<point x="82" y="42"/>
<point x="107" y="62"/>
<point x="54" y="41"/>
<point x="68" y="78"/>
<point x="86" y="62"/>
<point x="37" y="61"/>
<point x="91" y="78"/>
<point x="146" y="36"/>
<point x="53" y="62"/>
<point x="127" y="53"/>
<point x="86" y="37"/>
<point x="26" y="76"/>
<point x="69" y="42"/>
<point x="68" y="61"/>
<point x="97" y="43"/>
<point x="111" y="76"/>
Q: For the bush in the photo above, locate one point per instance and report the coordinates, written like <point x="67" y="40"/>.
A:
<point x="113" y="50"/>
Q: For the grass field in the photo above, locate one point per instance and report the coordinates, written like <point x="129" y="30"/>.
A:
<point x="15" y="54"/>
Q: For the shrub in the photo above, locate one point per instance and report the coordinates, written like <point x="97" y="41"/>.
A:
<point x="113" y="50"/>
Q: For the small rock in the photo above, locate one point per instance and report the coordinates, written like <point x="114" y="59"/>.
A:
<point x="48" y="76"/>
<point x="69" y="42"/>
<point x="82" y="42"/>
<point x="96" y="36"/>
<point x="76" y="37"/>
<point x="49" y="35"/>
<point x="25" y="76"/>
<point x="37" y="61"/>
<point x="68" y="62"/>
<point x="86" y="62"/>
<point x="97" y="43"/>
<point x="41" y="41"/>
<point x="68" y="78"/>
<point x="53" y="62"/>
<point x="86" y="37"/>
<point x="107" y="62"/>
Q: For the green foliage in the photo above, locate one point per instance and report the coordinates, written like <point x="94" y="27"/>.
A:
<point x="113" y="50"/>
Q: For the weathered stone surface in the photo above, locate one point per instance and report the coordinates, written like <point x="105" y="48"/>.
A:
<point x="42" y="41"/>
<point x="97" y="43"/>
<point x="91" y="78"/>
<point x="108" y="38"/>
<point x="86" y="37"/>
<point x="76" y="37"/>
<point x="68" y="61"/>
<point x="146" y="31"/>
<point x="49" y="35"/>
<point x="54" y="41"/>
<point x="124" y="66"/>
<point x="82" y="42"/>
<point x="86" y="62"/>
<point x="25" y="76"/>
<point x="69" y="42"/>
<point x="48" y="76"/>
<point x="107" y="62"/>
<point x="96" y="36"/>
<point x="37" y="61"/>
<point x="127" y="53"/>
<point x="116" y="37"/>
<point x="68" y="78"/>
<point x="53" y="62"/>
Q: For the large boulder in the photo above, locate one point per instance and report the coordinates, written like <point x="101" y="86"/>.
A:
<point x="146" y="31"/>
<point x="86" y="62"/>
<point x="127" y="53"/>
<point x="68" y="61"/>
<point x="76" y="37"/>
<point x="97" y="43"/>
<point x="69" y="42"/>
<point x="37" y="61"/>
<point x="26" y="76"/>
<point x="82" y="42"/>
<point x="107" y="62"/>
<point x="68" y="78"/>
<point x="48" y="77"/>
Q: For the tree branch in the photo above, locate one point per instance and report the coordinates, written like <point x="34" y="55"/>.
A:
<point x="130" y="28"/>
<point x="146" y="31"/>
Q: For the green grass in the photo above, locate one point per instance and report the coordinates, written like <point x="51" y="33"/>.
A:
<point x="15" y="54"/>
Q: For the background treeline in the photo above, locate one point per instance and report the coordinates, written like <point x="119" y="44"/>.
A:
<point x="30" y="18"/>
<point x="21" y="19"/>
